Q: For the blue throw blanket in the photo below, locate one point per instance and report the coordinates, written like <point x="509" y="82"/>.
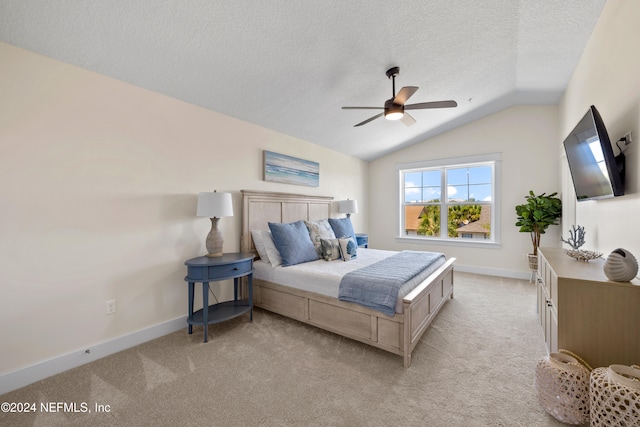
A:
<point x="376" y="286"/>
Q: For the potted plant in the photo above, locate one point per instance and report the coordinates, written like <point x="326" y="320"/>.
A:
<point x="535" y="216"/>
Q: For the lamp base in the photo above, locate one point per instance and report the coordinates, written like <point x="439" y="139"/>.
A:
<point x="214" y="240"/>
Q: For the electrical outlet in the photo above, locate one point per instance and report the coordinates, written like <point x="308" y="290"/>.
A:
<point x="110" y="306"/>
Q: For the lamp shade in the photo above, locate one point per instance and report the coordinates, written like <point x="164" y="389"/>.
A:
<point x="214" y="205"/>
<point x="348" y="206"/>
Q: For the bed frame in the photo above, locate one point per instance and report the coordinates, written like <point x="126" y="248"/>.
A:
<point x="398" y="334"/>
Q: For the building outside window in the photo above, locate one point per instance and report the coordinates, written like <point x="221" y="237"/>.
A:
<point x="450" y="199"/>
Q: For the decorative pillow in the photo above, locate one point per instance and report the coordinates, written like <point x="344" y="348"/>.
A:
<point x="273" y="255"/>
<point x="348" y="248"/>
<point x="319" y="230"/>
<point x="342" y="227"/>
<point x="293" y="242"/>
<point x="330" y="249"/>
<point x="263" y="241"/>
<point x="258" y="242"/>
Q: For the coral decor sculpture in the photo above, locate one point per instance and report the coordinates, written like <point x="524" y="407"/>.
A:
<point x="582" y="255"/>
<point x="576" y="238"/>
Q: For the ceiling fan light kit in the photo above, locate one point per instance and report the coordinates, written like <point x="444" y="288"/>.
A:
<point x="393" y="111"/>
<point x="394" y="107"/>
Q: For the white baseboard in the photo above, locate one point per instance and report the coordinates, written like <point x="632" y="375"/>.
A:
<point x="30" y="374"/>
<point x="511" y="274"/>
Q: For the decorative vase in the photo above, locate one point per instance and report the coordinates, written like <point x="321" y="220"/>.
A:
<point x="621" y="266"/>
<point x="562" y="385"/>
<point x="615" y="396"/>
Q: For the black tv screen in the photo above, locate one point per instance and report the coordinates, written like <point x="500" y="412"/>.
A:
<point x="596" y="172"/>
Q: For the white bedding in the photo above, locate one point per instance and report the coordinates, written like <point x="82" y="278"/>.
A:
<point x="323" y="277"/>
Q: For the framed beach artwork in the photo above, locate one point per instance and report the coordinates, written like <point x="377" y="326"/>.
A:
<point x="290" y="170"/>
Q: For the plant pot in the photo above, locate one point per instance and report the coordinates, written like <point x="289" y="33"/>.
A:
<point x="533" y="262"/>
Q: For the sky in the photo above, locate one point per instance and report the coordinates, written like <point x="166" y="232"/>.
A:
<point x="462" y="184"/>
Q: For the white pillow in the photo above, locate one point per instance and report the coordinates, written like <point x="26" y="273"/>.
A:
<point x="258" y="242"/>
<point x="272" y="252"/>
<point x="263" y="241"/>
<point x="348" y="248"/>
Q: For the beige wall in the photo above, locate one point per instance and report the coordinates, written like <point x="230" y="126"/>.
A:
<point x="98" y="189"/>
<point x="527" y="139"/>
<point x="608" y="76"/>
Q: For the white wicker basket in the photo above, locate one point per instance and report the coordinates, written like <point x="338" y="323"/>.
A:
<point x="562" y="385"/>
<point x="615" y="396"/>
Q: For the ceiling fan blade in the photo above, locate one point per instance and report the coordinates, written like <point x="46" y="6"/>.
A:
<point x="404" y="94"/>
<point x="435" y="104"/>
<point x="363" y="108"/>
<point x="407" y="120"/>
<point x="369" y="119"/>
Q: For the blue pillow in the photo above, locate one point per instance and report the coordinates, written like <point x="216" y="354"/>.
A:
<point x="293" y="242"/>
<point x="342" y="227"/>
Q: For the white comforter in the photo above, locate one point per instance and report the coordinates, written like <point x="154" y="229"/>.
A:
<point x="323" y="277"/>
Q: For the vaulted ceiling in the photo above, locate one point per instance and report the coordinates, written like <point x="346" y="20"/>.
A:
<point x="291" y="65"/>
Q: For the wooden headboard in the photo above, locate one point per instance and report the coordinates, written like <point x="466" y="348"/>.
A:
<point x="261" y="207"/>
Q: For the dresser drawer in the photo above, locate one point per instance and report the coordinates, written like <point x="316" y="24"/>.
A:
<point x="217" y="272"/>
<point x="363" y="240"/>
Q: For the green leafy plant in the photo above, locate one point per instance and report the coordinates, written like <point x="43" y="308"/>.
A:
<point x="459" y="215"/>
<point x="537" y="215"/>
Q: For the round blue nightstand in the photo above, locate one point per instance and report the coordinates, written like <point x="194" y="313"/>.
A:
<point x="212" y="269"/>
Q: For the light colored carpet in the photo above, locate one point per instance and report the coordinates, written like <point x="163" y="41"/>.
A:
<point x="473" y="367"/>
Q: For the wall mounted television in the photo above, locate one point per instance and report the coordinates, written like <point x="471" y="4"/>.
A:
<point x="596" y="172"/>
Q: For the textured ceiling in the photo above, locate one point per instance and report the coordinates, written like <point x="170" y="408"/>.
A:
<point x="291" y="65"/>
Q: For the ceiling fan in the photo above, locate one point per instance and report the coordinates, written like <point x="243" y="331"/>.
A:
<point x="395" y="107"/>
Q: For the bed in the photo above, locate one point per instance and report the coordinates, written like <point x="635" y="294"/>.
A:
<point x="398" y="333"/>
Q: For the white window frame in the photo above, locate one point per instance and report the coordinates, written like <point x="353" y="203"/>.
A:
<point x="465" y="161"/>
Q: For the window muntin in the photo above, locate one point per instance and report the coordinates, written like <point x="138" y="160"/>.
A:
<point x="422" y="186"/>
<point x="467" y="211"/>
<point x="470" y="184"/>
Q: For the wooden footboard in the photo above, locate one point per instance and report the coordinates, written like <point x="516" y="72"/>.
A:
<point x="398" y="334"/>
<point x="423" y="304"/>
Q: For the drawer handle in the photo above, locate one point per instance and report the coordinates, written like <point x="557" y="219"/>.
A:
<point x="549" y="304"/>
<point x="235" y="268"/>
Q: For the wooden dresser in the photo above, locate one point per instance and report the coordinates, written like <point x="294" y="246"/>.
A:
<point x="582" y="311"/>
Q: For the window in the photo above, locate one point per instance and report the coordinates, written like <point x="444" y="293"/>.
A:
<point x="450" y="199"/>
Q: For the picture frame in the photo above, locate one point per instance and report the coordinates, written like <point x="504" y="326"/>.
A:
<point x="290" y="170"/>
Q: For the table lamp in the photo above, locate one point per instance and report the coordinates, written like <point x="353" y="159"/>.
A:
<point x="348" y="207"/>
<point x="214" y="205"/>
